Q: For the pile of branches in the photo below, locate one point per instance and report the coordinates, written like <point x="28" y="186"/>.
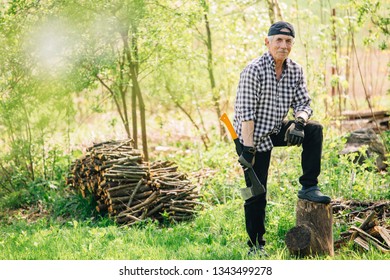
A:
<point x="368" y="224"/>
<point x="130" y="189"/>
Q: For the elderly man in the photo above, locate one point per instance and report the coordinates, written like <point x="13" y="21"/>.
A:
<point x="269" y="86"/>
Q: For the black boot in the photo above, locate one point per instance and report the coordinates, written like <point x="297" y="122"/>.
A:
<point x="314" y="194"/>
<point x="257" y="251"/>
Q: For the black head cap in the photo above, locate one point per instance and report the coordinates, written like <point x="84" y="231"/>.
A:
<point x="276" y="28"/>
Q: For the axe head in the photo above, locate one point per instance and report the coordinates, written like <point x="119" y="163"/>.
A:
<point x="257" y="187"/>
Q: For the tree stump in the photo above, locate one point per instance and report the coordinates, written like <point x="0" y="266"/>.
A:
<point x="313" y="233"/>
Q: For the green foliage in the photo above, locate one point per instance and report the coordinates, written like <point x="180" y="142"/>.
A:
<point x="368" y="9"/>
<point x="72" y="206"/>
<point x="19" y="190"/>
<point x="34" y="193"/>
<point x="385" y="135"/>
<point x="51" y="101"/>
<point x="53" y="52"/>
<point x="343" y="177"/>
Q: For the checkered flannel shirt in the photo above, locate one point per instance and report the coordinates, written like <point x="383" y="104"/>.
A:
<point x="266" y="101"/>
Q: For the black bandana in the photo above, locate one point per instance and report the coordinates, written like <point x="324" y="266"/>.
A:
<point x="276" y="27"/>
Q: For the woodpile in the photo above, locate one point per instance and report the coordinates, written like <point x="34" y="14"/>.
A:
<point x="378" y="120"/>
<point x="131" y="190"/>
<point x="368" y="224"/>
<point x="366" y="140"/>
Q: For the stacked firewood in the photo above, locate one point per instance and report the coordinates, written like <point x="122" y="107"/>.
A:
<point x="130" y="189"/>
<point x="368" y="224"/>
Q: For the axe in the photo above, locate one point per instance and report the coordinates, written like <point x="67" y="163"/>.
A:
<point x="257" y="187"/>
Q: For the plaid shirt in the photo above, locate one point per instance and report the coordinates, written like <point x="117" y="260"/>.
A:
<point x="266" y="101"/>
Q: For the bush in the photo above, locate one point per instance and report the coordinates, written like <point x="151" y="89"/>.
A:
<point x="72" y="206"/>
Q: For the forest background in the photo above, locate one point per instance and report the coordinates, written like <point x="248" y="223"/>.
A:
<point x="74" y="73"/>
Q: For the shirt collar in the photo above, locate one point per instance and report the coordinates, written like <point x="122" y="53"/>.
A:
<point x="271" y="60"/>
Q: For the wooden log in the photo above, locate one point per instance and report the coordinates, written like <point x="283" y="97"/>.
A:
<point x="146" y="202"/>
<point x="313" y="233"/>
<point x="186" y="202"/>
<point x="384" y="234"/>
<point x="361" y="242"/>
<point x="123" y="200"/>
<point x="374" y="231"/>
<point x="128" y="188"/>
<point x="383" y="247"/>
<point x="369" y="224"/>
<point x="155" y="209"/>
<point x="127" y="218"/>
<point x="181" y="210"/>
<point x="123" y="180"/>
<point x="370" y="218"/>
<point x="376" y="207"/>
<point x="117" y="187"/>
<point x="146" y="191"/>
<point x="134" y="193"/>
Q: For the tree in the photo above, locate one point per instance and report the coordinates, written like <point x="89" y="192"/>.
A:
<point x="113" y="56"/>
<point x="31" y="108"/>
<point x="210" y="65"/>
<point x="274" y="11"/>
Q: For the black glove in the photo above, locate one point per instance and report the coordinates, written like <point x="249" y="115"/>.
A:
<point x="239" y="147"/>
<point x="295" y="134"/>
<point x="248" y="154"/>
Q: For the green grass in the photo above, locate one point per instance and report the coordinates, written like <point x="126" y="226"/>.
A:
<point x="207" y="237"/>
<point x="68" y="228"/>
<point x="218" y="233"/>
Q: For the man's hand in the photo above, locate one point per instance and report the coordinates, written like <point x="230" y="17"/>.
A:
<point x="248" y="154"/>
<point x="295" y="134"/>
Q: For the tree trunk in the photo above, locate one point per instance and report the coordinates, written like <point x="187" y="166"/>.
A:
<point x="30" y="164"/>
<point x="134" y="93"/>
<point x="271" y="11"/>
<point x="123" y="87"/>
<point x="133" y="68"/>
<point x="313" y="233"/>
<point x="134" y="116"/>
<point x="210" y="67"/>
<point x="143" y="118"/>
<point x="278" y="10"/>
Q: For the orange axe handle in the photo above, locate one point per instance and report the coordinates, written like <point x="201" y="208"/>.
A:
<point x="225" y="119"/>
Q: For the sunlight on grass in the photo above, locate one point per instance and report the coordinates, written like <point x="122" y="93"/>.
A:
<point x="217" y="232"/>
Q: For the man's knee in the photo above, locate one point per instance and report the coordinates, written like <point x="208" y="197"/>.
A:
<point x="314" y="128"/>
<point x="315" y="125"/>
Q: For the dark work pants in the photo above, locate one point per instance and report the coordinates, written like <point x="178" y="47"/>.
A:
<point x="311" y="168"/>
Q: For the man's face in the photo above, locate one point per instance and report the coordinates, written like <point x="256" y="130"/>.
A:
<point x="280" y="46"/>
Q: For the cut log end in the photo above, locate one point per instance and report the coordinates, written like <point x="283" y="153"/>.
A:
<point x="298" y="240"/>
